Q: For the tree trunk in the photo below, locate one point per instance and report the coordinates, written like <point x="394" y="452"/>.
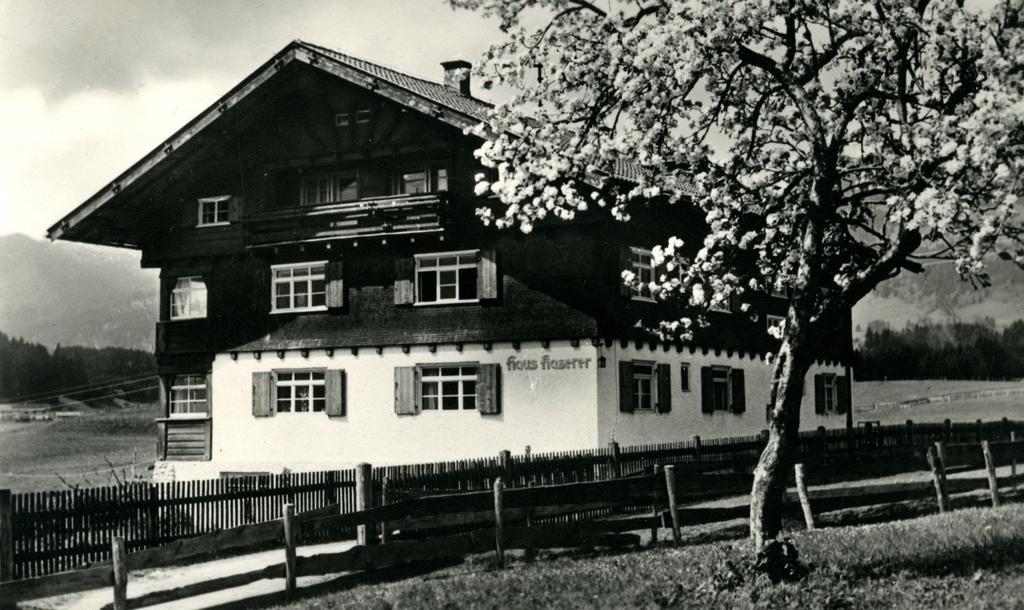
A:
<point x="783" y="429"/>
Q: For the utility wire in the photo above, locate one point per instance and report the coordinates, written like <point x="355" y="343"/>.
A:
<point x="58" y="393"/>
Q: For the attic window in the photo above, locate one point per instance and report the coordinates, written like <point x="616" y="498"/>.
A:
<point x="363" y="116"/>
<point x="341" y="119"/>
<point x="214" y="211"/>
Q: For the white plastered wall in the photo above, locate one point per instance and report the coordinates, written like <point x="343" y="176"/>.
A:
<point x="546" y="408"/>
<point x="686" y="420"/>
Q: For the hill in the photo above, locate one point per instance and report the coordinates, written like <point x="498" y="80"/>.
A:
<point x="76" y="294"/>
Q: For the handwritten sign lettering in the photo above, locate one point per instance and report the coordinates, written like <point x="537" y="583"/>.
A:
<point x="547" y="363"/>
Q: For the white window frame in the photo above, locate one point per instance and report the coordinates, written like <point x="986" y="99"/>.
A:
<point x="308" y="279"/>
<point x="217" y="220"/>
<point x="463" y="394"/>
<point x="432" y="178"/>
<point x="189" y="383"/>
<point x="419" y="258"/>
<point x="193" y="296"/>
<point x="830" y="392"/>
<point x="334" y="193"/>
<point x="716" y="373"/>
<point x="772" y="320"/>
<point x="640" y="378"/>
<point x="317" y="379"/>
<point x="637" y="266"/>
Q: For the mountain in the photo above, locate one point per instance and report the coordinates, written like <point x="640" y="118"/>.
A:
<point x="939" y="295"/>
<point x="76" y="294"/>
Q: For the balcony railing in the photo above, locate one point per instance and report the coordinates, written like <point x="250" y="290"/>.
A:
<point x="373" y="217"/>
<point x="183" y="336"/>
<point x="183" y="439"/>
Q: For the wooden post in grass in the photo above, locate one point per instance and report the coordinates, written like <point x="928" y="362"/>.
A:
<point x="654" y="503"/>
<point x="940" y="452"/>
<point x="615" y="454"/>
<point x="120" y="565"/>
<point x="289" y="548"/>
<point x="1013" y="462"/>
<point x="6" y="536"/>
<point x="990" y="467"/>
<point x="805" y="500"/>
<point x="670" y="489"/>
<point x="385" y="530"/>
<point x="364" y="501"/>
<point x="933" y="463"/>
<point x="499" y="523"/>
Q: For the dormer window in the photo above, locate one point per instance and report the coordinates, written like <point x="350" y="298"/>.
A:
<point x="642" y="264"/>
<point x="329" y="187"/>
<point x="214" y="211"/>
<point x="447" y="278"/>
<point x="299" y="287"/>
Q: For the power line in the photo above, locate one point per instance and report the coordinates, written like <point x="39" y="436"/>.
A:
<point x="85" y="386"/>
<point x="103" y="386"/>
<point x="117" y="395"/>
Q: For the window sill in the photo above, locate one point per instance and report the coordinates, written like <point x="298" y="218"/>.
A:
<point x="187" y="319"/>
<point x="191" y="418"/>
<point x="303" y="310"/>
<point x="643" y="299"/>
<point x="436" y="303"/>
<point x="213" y="224"/>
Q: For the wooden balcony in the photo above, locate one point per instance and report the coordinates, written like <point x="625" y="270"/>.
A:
<point x="178" y="336"/>
<point x="373" y="217"/>
<point x="184" y="439"/>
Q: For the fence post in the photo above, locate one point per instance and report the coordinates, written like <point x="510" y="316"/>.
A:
<point x="654" y="504"/>
<point x="6" y="536"/>
<point x="940" y="449"/>
<point x="330" y="488"/>
<point x="823" y="445"/>
<point x="697" y="448"/>
<point x="990" y="467"/>
<point x="1013" y="462"/>
<point x="289" y="548"/>
<point x="385" y="531"/>
<point x="979" y="430"/>
<point x="153" y="515"/>
<point x="364" y="501"/>
<point x="499" y="523"/>
<point x="505" y="463"/>
<point x="120" y="565"/>
<point x="616" y="469"/>
<point x="947" y="433"/>
<point x="805" y="500"/>
<point x="670" y="488"/>
<point x="933" y="463"/>
<point x="910" y="433"/>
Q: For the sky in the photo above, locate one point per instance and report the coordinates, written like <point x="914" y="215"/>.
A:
<point x="87" y="87"/>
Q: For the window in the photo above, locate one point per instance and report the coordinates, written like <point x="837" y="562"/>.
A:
<point x="780" y="292"/>
<point x="329" y="187"/>
<point x="301" y="392"/>
<point x="684" y="376"/>
<point x="427" y="179"/>
<point x="299" y="287"/>
<point x="188" y="396"/>
<point x="644" y="392"/>
<point x="721" y="397"/>
<point x="214" y="211"/>
<point x="642" y="265"/>
<point x="341" y="119"/>
<point x="448" y="388"/>
<point x="829" y="394"/>
<point x="363" y="115"/>
<point x="446" y="278"/>
<point x="188" y="298"/>
<point x="776" y="322"/>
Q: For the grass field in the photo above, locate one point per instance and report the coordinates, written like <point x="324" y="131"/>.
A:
<point x="32" y="453"/>
<point x="964" y="559"/>
<point x="867" y="393"/>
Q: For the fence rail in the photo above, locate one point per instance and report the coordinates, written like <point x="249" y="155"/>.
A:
<point x="60" y="530"/>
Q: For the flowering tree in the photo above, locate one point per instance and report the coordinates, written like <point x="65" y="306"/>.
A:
<point x="830" y="144"/>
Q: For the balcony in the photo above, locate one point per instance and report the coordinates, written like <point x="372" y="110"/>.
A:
<point x="178" y="336"/>
<point x="183" y="439"/>
<point x="372" y="217"/>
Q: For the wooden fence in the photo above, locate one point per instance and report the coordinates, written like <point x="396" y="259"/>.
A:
<point x="54" y="531"/>
<point x="493" y="520"/>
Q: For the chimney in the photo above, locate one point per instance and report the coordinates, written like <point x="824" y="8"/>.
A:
<point x="456" y="75"/>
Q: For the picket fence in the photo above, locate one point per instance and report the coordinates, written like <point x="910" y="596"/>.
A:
<point x="49" y="532"/>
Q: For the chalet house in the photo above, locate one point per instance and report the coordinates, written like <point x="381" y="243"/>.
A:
<point x="328" y="295"/>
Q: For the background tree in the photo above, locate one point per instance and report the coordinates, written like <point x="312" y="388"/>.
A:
<point x="830" y="144"/>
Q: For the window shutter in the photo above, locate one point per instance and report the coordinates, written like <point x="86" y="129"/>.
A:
<point x="407" y="390"/>
<point x="335" y="284"/>
<point x="236" y="206"/>
<point x="488" y="389"/>
<point x="334" y="380"/>
<point x="707" y="396"/>
<point x="263" y="395"/>
<point x="189" y="213"/>
<point x="626" y="386"/>
<point x="405" y="292"/>
<point x="263" y="299"/>
<point x="209" y="394"/>
<point x="625" y="264"/>
<point x="843" y="390"/>
<point x="664" y="388"/>
<point x="819" y="394"/>
<point x="166" y="286"/>
<point x="739" y="391"/>
<point x="487" y="275"/>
